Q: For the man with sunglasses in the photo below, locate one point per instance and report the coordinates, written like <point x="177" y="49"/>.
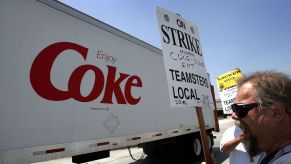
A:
<point x="263" y="107"/>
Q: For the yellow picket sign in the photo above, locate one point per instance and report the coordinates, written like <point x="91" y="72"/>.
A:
<point x="229" y="79"/>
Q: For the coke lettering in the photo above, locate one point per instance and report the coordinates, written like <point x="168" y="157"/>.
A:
<point x="42" y="84"/>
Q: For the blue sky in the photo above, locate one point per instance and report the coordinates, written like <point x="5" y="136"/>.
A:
<point x="253" y="35"/>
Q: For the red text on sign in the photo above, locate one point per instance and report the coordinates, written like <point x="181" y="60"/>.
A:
<point x="41" y="80"/>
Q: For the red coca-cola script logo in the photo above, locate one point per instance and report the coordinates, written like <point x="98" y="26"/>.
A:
<point x="42" y="84"/>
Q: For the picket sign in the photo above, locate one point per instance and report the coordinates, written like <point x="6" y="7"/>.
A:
<point x="188" y="80"/>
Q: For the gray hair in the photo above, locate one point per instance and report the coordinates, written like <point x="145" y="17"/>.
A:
<point x="270" y="87"/>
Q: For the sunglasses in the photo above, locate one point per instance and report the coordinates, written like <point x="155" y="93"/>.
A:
<point x="241" y="110"/>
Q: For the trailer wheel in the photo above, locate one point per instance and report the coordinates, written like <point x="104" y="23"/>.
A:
<point x="210" y="141"/>
<point x="197" y="148"/>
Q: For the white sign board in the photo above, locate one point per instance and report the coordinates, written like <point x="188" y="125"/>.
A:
<point x="227" y="98"/>
<point x="188" y="81"/>
<point x="227" y="84"/>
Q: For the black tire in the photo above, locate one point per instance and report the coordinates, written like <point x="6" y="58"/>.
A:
<point x="189" y="146"/>
<point x="197" y="147"/>
<point x="210" y="141"/>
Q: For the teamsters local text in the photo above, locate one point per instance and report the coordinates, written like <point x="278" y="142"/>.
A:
<point x="172" y="36"/>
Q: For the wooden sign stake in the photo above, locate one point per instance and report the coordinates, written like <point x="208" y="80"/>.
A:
<point x="206" y="151"/>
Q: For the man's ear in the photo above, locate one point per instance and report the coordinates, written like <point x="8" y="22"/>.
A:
<point x="279" y="111"/>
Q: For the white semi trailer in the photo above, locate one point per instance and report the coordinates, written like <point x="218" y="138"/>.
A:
<point x="72" y="86"/>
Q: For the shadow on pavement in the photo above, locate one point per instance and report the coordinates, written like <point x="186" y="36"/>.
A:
<point x="167" y="160"/>
<point x="219" y="156"/>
